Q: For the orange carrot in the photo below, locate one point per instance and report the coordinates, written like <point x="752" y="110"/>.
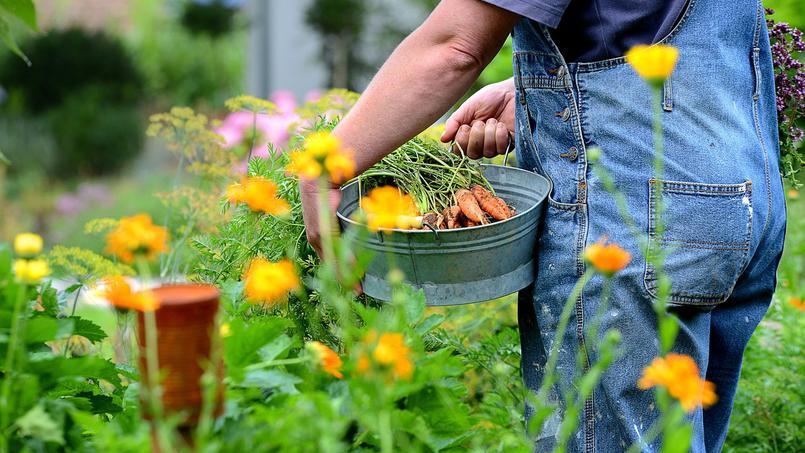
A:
<point x="451" y="217"/>
<point x="491" y="204"/>
<point x="469" y="206"/>
<point x="466" y="223"/>
<point x="433" y="219"/>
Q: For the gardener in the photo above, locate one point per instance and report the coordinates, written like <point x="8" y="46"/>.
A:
<point x="724" y="211"/>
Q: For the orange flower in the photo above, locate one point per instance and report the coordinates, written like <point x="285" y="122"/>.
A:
<point x="260" y="194"/>
<point x="793" y="194"/>
<point x="323" y="154"/>
<point x="303" y="165"/>
<point x="680" y="375"/>
<point x="388" y="208"/>
<point x="137" y="236"/>
<point x="268" y="282"/>
<point x="797" y="303"/>
<point x="607" y="258"/>
<point x="118" y="293"/>
<point x="326" y="358"/>
<point x="340" y="166"/>
<point x="391" y="352"/>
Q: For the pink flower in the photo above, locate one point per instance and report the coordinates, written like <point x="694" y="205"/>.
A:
<point x="284" y="100"/>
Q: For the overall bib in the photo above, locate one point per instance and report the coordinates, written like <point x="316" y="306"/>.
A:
<point x="724" y="213"/>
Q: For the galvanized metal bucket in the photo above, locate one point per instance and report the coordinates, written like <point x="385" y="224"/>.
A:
<point x="466" y="265"/>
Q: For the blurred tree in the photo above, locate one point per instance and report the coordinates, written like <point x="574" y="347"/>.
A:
<point x="340" y="23"/>
<point x="86" y="86"/>
<point x="65" y="62"/>
<point x="210" y="17"/>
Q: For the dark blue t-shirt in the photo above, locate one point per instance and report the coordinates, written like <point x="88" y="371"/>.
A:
<point x="592" y="30"/>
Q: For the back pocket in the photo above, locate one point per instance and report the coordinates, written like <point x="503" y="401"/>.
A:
<point x="705" y="234"/>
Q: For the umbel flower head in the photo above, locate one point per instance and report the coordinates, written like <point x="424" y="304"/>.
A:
<point x="390" y="352"/>
<point x="267" y="282"/>
<point x="653" y="63"/>
<point x="136" y="236"/>
<point x="118" y="292"/>
<point x="326" y="358"/>
<point x="28" y="245"/>
<point x="680" y="375"/>
<point x="607" y="258"/>
<point x="322" y="155"/>
<point x="30" y="272"/>
<point x="259" y="194"/>
<point x="387" y="207"/>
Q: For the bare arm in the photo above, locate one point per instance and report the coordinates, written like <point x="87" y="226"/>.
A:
<point x="427" y="73"/>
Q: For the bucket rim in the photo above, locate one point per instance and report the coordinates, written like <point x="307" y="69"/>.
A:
<point x="351" y="222"/>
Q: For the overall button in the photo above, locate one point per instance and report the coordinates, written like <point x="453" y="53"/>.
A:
<point x="563" y="114"/>
<point x="572" y="154"/>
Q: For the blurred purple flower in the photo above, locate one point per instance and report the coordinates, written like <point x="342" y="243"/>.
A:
<point x="85" y="196"/>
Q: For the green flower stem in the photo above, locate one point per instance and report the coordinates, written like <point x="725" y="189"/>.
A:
<point x="254" y="138"/>
<point x="329" y="265"/>
<point x="659" y="168"/>
<point x="154" y="389"/>
<point x="209" y="386"/>
<point x="386" y="436"/>
<point x="11" y="354"/>
<point x="549" y="378"/>
<point x="325" y="228"/>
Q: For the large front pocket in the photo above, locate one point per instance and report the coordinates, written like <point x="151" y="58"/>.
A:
<point x="705" y="232"/>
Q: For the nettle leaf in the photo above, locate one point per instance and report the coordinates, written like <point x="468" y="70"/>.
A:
<point x="44" y="328"/>
<point x="49" y="299"/>
<point x="52" y="369"/>
<point x="276" y="349"/>
<point x="24" y="10"/>
<point x="88" y="329"/>
<point x="272" y="379"/>
<point x="37" y="423"/>
<point x="246" y="341"/>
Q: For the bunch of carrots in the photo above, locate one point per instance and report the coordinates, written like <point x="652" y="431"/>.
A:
<point x="450" y="189"/>
<point x="477" y="206"/>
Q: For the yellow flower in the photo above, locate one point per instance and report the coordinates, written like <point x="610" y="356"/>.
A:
<point x="321" y="144"/>
<point x="322" y="155"/>
<point x="118" y="292"/>
<point x="267" y="282"/>
<point x="224" y="331"/>
<point x="390" y="352"/>
<point x="136" y="235"/>
<point x="680" y="375"/>
<point x="797" y="303"/>
<point x="654" y="63"/>
<point x="28" y="245"/>
<point x="340" y="166"/>
<point x="30" y="271"/>
<point x="328" y="359"/>
<point x="303" y="165"/>
<point x="387" y="208"/>
<point x="259" y="194"/>
<point x="607" y="258"/>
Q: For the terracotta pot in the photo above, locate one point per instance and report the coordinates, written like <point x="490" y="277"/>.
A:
<point x="185" y="321"/>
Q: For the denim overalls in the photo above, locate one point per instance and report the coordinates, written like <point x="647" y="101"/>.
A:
<point x="724" y="212"/>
